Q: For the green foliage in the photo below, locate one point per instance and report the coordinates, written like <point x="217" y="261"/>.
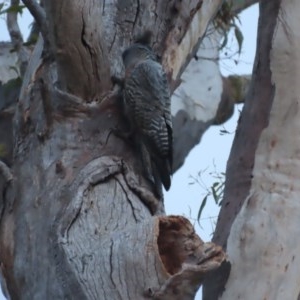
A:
<point x="239" y="37"/>
<point x="4" y="8"/>
<point x="12" y="84"/>
<point x="215" y="191"/>
<point x="32" y="40"/>
<point x="225" y="20"/>
<point x="9" y="93"/>
<point x="15" y="69"/>
<point x="3" y="150"/>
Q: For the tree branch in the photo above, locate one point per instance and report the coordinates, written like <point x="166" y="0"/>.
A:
<point x="235" y="89"/>
<point x="188" y="130"/>
<point x="16" y="36"/>
<point x="40" y="17"/>
<point x="12" y="25"/>
<point x="37" y="12"/>
<point x="182" y="47"/>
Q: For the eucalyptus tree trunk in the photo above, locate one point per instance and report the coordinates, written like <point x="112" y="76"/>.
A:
<point x="78" y="219"/>
<point x="259" y="219"/>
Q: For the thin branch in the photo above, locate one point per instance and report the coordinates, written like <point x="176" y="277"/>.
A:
<point x="5" y="171"/>
<point x="35" y="29"/>
<point x="40" y="17"/>
<point x="13" y="26"/>
<point x="16" y="36"/>
<point x="34" y="33"/>
<point x="37" y="12"/>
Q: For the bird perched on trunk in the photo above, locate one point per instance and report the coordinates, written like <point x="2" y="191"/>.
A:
<point x="147" y="106"/>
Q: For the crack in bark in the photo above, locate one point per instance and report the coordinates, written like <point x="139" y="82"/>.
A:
<point x="111" y="268"/>
<point x="73" y="219"/>
<point x="85" y="43"/>
<point x="112" y="43"/>
<point x="136" y="14"/>
<point x="128" y="198"/>
<point x="103" y="7"/>
<point x="86" y="180"/>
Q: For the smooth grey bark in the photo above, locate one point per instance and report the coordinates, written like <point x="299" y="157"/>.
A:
<point x="79" y="220"/>
<point x="261" y="245"/>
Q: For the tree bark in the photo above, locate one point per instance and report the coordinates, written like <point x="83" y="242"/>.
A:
<point x="79" y="220"/>
<point x="254" y="118"/>
<point x="259" y="210"/>
<point x="262" y="238"/>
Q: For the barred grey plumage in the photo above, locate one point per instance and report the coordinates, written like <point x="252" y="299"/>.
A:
<point x="147" y="105"/>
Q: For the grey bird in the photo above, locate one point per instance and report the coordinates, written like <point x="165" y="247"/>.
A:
<point x="147" y="105"/>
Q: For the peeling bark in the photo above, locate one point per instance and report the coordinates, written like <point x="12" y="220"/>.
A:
<point x="182" y="47"/>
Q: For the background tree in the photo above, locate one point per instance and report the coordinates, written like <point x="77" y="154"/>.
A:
<point x="260" y="210"/>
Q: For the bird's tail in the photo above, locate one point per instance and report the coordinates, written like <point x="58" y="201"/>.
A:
<point x="163" y="168"/>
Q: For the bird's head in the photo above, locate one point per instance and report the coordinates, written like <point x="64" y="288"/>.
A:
<point x="137" y="53"/>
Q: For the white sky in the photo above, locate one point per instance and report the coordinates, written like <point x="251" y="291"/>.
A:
<point x="183" y="198"/>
